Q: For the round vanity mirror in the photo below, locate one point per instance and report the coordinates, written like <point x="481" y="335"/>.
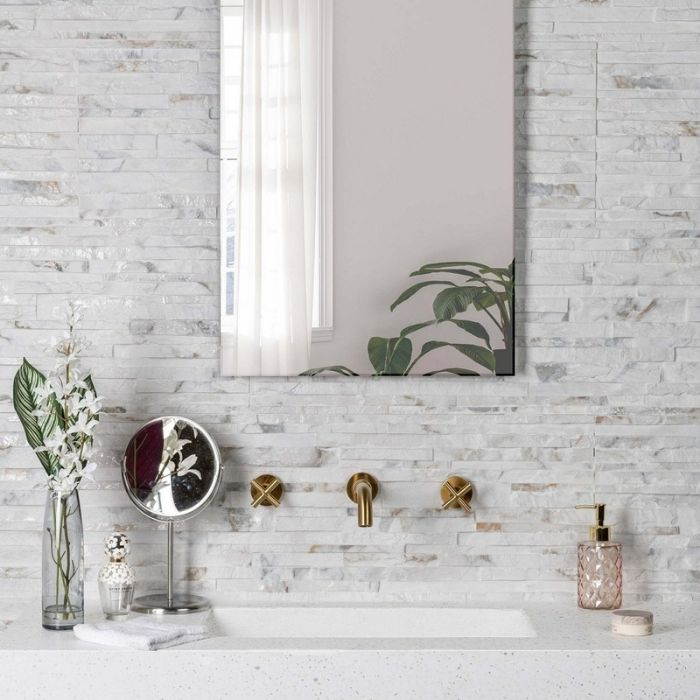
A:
<point x="171" y="471"/>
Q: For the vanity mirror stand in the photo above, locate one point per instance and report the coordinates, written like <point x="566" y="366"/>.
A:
<point x="171" y="471"/>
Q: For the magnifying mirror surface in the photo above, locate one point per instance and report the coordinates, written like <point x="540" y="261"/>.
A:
<point x="171" y="468"/>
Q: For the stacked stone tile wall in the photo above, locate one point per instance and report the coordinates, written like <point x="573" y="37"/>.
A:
<point x="109" y="193"/>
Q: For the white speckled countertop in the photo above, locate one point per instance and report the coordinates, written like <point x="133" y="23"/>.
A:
<point x="573" y="652"/>
<point x="676" y="626"/>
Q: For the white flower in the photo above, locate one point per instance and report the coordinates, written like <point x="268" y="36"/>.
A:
<point x="74" y="313"/>
<point x="66" y="362"/>
<point x="84" y="425"/>
<point x="64" y="481"/>
<point x="175" y="463"/>
<point x="44" y="391"/>
<point x="69" y="459"/>
<point x="174" y="445"/>
<point x="66" y="395"/>
<point x="56" y="440"/>
<point x="73" y="402"/>
<point x="89" y="402"/>
<point x="86" y="470"/>
<point x="185" y="467"/>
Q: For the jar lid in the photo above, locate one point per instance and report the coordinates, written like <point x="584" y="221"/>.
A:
<point x="632" y="623"/>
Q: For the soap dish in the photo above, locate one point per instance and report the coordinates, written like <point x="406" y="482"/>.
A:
<point x="632" y="623"/>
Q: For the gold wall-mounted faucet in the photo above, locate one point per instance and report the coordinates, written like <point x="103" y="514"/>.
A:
<point x="362" y="489"/>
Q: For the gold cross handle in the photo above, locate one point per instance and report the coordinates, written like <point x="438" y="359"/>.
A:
<point x="266" y="490"/>
<point x="456" y="492"/>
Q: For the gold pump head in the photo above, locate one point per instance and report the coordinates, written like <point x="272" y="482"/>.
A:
<point x="600" y="532"/>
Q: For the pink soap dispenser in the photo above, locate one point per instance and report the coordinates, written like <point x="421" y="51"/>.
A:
<point x="599" y="566"/>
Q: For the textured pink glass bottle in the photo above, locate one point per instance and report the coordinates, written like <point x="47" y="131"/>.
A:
<point x="599" y="567"/>
<point x="600" y="575"/>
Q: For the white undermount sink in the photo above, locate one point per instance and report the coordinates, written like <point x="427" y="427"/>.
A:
<point x="372" y="622"/>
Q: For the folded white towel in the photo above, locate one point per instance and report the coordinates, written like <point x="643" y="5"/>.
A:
<point x="140" y="634"/>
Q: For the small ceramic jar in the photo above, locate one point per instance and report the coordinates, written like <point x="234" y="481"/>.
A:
<point x="116" y="578"/>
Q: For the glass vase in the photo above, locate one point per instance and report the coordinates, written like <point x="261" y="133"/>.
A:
<point x="62" y="566"/>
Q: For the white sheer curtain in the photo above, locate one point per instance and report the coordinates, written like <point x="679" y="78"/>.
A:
<point x="278" y="188"/>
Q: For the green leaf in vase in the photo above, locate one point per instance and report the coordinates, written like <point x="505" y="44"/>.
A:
<point x="27" y="379"/>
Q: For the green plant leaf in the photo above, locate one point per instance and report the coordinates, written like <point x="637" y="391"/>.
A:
<point x="453" y="370"/>
<point x="338" y="369"/>
<point x="498" y="271"/>
<point x="390" y="355"/>
<point x="464" y="273"/>
<point x="416" y="288"/>
<point x="486" y="299"/>
<point x="503" y="275"/>
<point x="26" y="380"/>
<point x="90" y="385"/>
<point x="417" y="327"/>
<point x="450" y="302"/>
<point x="482" y="356"/>
<point x="473" y="328"/>
<point x="505" y="271"/>
<point x="443" y="265"/>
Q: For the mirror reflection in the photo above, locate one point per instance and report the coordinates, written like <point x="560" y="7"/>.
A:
<point x="367" y="192"/>
<point x="171" y="468"/>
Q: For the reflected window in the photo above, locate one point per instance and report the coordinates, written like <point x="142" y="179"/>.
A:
<point x="232" y="38"/>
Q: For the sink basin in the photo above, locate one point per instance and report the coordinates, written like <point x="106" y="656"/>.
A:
<point x="372" y="623"/>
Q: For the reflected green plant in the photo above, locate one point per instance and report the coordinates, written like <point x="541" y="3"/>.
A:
<point x="471" y="285"/>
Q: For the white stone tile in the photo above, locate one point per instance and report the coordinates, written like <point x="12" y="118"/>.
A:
<point x="109" y="191"/>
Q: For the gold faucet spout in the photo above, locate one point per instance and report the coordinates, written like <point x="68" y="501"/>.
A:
<point x="363" y="491"/>
<point x="362" y="488"/>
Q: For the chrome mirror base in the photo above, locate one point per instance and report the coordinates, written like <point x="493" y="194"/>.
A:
<point x="179" y="604"/>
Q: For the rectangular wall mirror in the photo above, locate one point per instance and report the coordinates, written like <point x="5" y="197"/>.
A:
<point x="367" y="187"/>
